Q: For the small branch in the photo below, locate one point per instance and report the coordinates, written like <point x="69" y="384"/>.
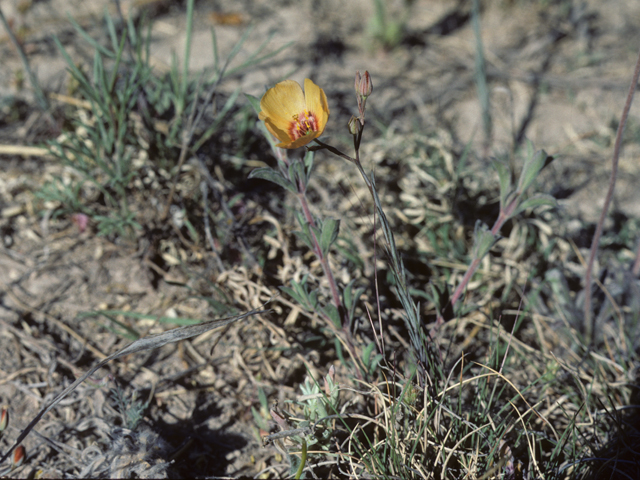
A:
<point x="335" y="151"/>
<point x="589" y="322"/>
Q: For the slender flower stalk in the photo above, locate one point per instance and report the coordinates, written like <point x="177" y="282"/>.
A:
<point x="427" y="357"/>
<point x="589" y="319"/>
<point x="324" y="261"/>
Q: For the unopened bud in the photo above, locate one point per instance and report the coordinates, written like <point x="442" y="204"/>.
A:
<point x="353" y="125"/>
<point x="363" y="84"/>
<point x="19" y="455"/>
<point x="4" y="419"/>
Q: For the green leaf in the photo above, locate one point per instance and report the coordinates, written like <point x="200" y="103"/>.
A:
<point x="504" y="177"/>
<point x="366" y="354"/>
<point x="259" y="420"/>
<point x="538" y="200"/>
<point x="308" y="162"/>
<point x="298" y="174"/>
<point x="374" y="363"/>
<point x="262" y="397"/>
<point x="301" y="299"/>
<point x="347" y="295"/>
<point x="332" y="312"/>
<point x="483" y="240"/>
<point x="254" y="101"/>
<point x="532" y="166"/>
<point x="330" y="230"/>
<point x="266" y="173"/>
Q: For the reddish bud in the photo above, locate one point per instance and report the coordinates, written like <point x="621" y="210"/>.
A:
<point x="4" y="419"/>
<point x="363" y="84"/>
<point x="19" y="455"/>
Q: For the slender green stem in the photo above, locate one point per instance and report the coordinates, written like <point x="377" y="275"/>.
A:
<point x="326" y="268"/>
<point x="303" y="459"/>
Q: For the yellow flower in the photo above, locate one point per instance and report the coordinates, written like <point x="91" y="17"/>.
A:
<point x="293" y="117"/>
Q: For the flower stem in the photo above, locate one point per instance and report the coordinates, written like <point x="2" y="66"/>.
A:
<point x="324" y="261"/>
<point x="589" y="322"/>
<point x="505" y="214"/>
<point x="326" y="268"/>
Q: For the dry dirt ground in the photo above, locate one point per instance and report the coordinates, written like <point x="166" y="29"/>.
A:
<point x="558" y="74"/>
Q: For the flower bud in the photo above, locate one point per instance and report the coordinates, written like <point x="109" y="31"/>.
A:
<point x="363" y="84"/>
<point x="19" y="455"/>
<point x="353" y="125"/>
<point x="4" y="419"/>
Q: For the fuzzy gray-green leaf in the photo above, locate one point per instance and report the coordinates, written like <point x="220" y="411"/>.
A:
<point x="330" y="230"/>
<point x="538" y="200"/>
<point x="271" y="175"/>
<point x="532" y="166"/>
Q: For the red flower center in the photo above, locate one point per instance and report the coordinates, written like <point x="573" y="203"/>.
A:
<point x="302" y="124"/>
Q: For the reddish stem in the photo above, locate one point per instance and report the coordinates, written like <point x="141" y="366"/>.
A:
<point x="589" y="323"/>
<point x="324" y="261"/>
<point x="505" y="214"/>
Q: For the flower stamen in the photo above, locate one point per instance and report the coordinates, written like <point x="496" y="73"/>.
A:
<point x="303" y="124"/>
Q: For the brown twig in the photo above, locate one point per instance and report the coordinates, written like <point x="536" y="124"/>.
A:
<point x="589" y="322"/>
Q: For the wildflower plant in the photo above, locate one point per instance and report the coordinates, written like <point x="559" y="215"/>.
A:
<point x="296" y="119"/>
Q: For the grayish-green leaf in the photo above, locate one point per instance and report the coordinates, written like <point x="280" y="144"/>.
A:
<point x="532" y="166"/>
<point x="266" y="173"/>
<point x="330" y="230"/>
<point x="483" y="240"/>
<point x="538" y="200"/>
<point x="504" y="177"/>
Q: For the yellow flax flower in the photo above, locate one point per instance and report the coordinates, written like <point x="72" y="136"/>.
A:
<point x="293" y="117"/>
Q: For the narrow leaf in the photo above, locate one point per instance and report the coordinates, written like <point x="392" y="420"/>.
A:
<point x="538" y="200"/>
<point x="330" y="230"/>
<point x="270" y="175"/>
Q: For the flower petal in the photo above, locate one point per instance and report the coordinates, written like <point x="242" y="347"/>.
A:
<point x="300" y="142"/>
<point x="276" y="130"/>
<point x="281" y="103"/>
<point x="316" y="103"/>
